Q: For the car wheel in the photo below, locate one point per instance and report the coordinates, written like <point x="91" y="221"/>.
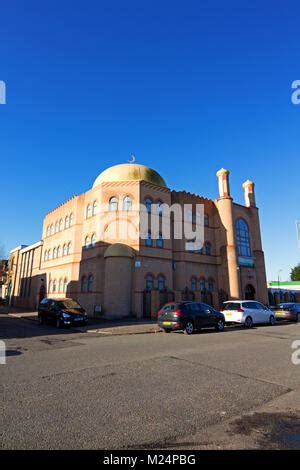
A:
<point x="248" y="322"/>
<point x="167" y="331"/>
<point x="58" y="323"/>
<point x="272" y="320"/>
<point x="220" y="325"/>
<point x="189" y="328"/>
<point x="41" y="319"/>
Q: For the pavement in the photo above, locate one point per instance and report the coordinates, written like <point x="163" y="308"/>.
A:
<point x="67" y="389"/>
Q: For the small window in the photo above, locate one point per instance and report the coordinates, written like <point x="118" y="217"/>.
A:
<point x="83" y="284"/>
<point x="193" y="283"/>
<point x="61" y="225"/>
<point x="87" y="242"/>
<point x="52" y="229"/>
<point x="58" y="252"/>
<point x="113" y="204"/>
<point x="67" y="222"/>
<point x="202" y="286"/>
<point x="127" y="203"/>
<point x="210" y="285"/>
<point x="50" y="286"/>
<point x="60" y="286"/>
<point x="160" y="241"/>
<point x="149" y="241"/>
<point x="57" y="227"/>
<point x="89" y="211"/>
<point x="54" y="285"/>
<point x="69" y="248"/>
<point x="148" y="205"/>
<point x="71" y="219"/>
<point x="65" y="250"/>
<point x="54" y="253"/>
<point x="161" y="283"/>
<point x="95" y="207"/>
<point x="49" y="254"/>
<point x="93" y="240"/>
<point x="48" y="231"/>
<point x="90" y="283"/>
<point x="207" y="248"/>
<point x="149" y="282"/>
<point x="65" y="284"/>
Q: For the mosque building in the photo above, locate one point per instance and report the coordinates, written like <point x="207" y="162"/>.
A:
<point x="113" y="275"/>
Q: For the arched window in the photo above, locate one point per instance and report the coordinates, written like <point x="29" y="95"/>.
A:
<point x="50" y="286"/>
<point x="148" y="204"/>
<point x="71" y="222"/>
<point x="113" y="204"/>
<point x="90" y="283"/>
<point x="60" y="286"/>
<point x="65" y="250"/>
<point x="87" y="242"/>
<point x="46" y="256"/>
<point x="56" y="227"/>
<point x="193" y="283"/>
<point x="83" y="284"/>
<point x="206" y="220"/>
<point x="207" y="248"/>
<point x="242" y="238"/>
<point x="65" y="284"/>
<point x="67" y="222"/>
<point x="54" y="253"/>
<point x="54" y="285"/>
<point x="211" y="285"/>
<point x="61" y="225"/>
<point x="48" y="231"/>
<point x="95" y="207"/>
<point x="160" y="241"/>
<point x="49" y="254"/>
<point x="127" y="203"/>
<point x="69" y="248"/>
<point x="52" y="229"/>
<point x="93" y="240"/>
<point x="202" y="285"/>
<point x="159" y="207"/>
<point x="149" y="282"/>
<point x="161" y="282"/>
<point x="149" y="241"/>
<point x="89" y="211"/>
<point x="58" y="252"/>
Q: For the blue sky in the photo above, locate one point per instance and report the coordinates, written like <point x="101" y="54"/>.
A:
<point x="188" y="87"/>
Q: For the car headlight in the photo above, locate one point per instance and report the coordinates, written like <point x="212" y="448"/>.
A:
<point x="66" y="315"/>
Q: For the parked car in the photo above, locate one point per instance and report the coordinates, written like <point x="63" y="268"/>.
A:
<point x="247" y="313"/>
<point x="62" y="312"/>
<point x="189" y="316"/>
<point x="288" y="311"/>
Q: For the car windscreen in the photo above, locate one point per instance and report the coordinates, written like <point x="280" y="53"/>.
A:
<point x="69" y="303"/>
<point x="170" y="307"/>
<point x="232" y="306"/>
<point x="287" y="306"/>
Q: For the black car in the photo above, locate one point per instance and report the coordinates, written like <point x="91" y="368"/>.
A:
<point x="189" y="316"/>
<point x="62" y="312"/>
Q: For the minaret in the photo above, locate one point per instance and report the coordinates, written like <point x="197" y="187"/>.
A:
<point x="249" y="194"/>
<point x="225" y="208"/>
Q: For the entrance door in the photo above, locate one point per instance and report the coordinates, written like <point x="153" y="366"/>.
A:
<point x="249" y="292"/>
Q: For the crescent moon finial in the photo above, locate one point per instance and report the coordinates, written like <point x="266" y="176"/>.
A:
<point x="132" y="160"/>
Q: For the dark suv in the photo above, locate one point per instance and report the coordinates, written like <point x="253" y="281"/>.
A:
<point x="189" y="316"/>
<point x="62" y="312"/>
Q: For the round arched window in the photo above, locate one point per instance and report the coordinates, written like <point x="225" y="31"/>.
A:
<point x="242" y="238"/>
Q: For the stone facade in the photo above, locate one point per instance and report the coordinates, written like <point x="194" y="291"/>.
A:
<point x="83" y="255"/>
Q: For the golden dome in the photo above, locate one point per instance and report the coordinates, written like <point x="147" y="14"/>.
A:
<point x="130" y="172"/>
<point x="118" y="249"/>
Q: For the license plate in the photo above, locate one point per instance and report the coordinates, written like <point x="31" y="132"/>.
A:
<point x="78" y="319"/>
<point x="167" y="323"/>
<point x="280" y="314"/>
<point x="228" y="314"/>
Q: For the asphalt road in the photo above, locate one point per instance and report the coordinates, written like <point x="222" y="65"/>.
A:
<point x="68" y="390"/>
